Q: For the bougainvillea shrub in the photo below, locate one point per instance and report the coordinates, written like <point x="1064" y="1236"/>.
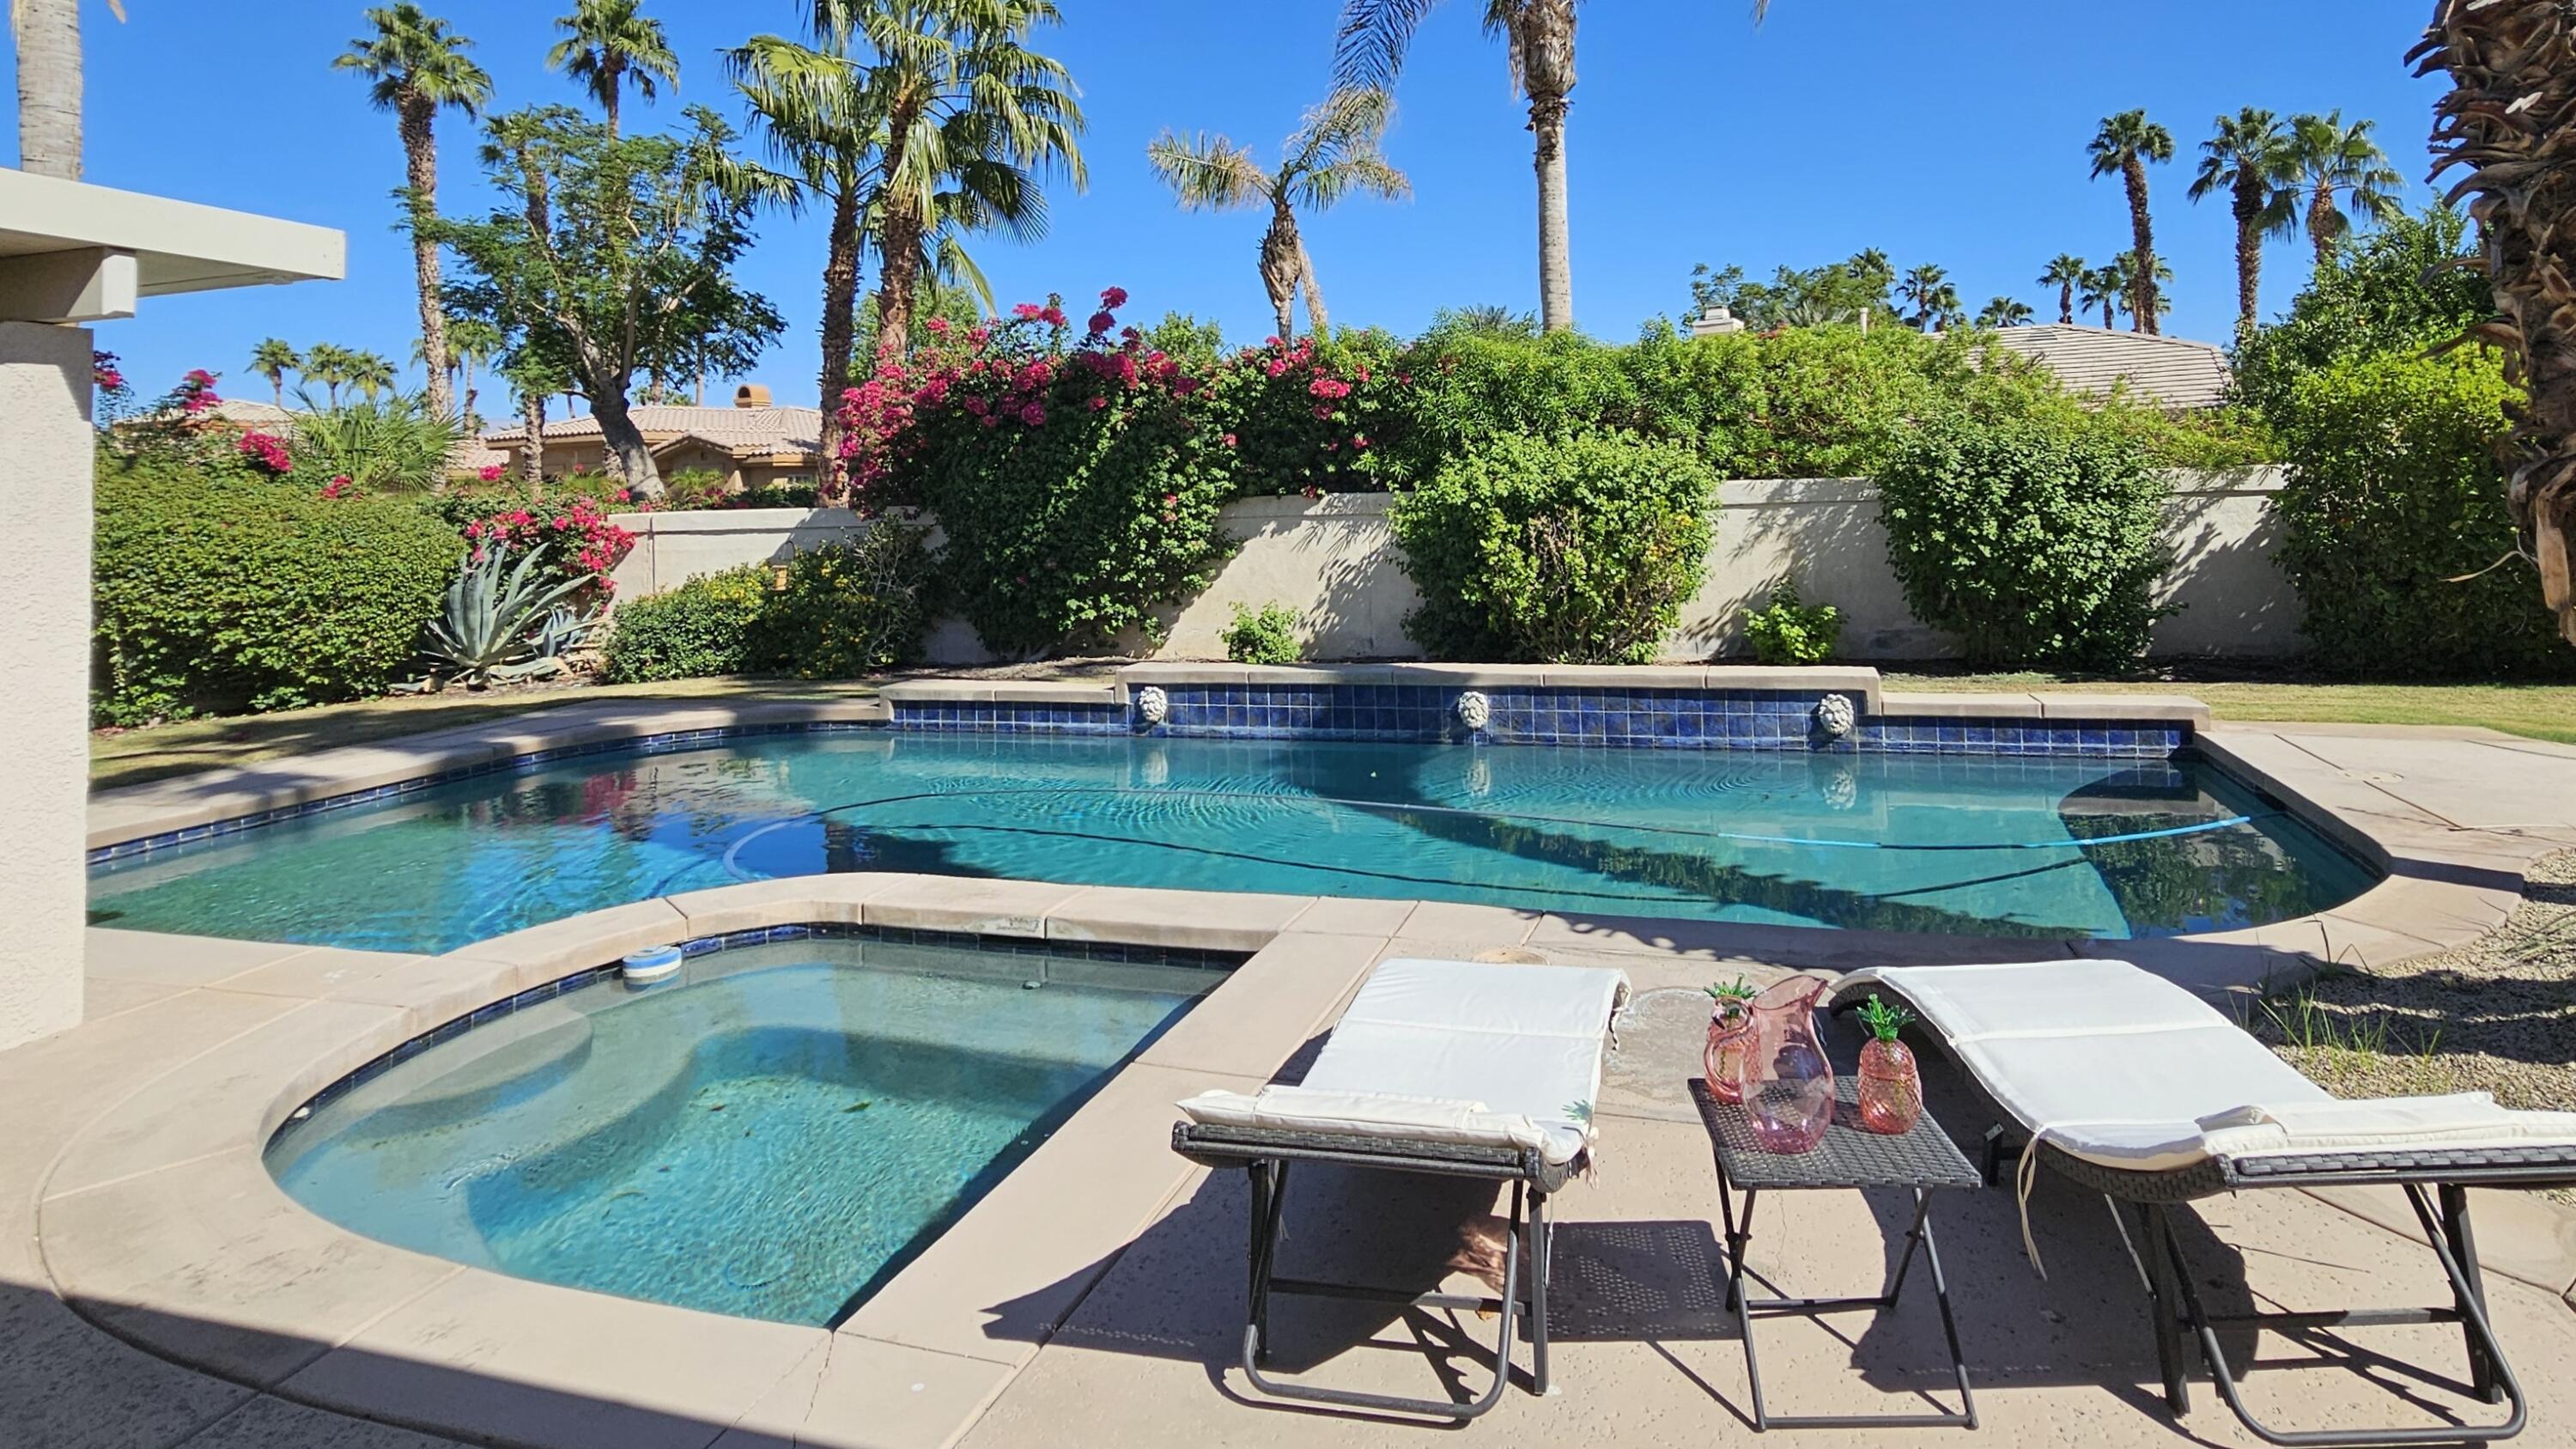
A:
<point x="1315" y="417"/>
<point x="1077" y="475"/>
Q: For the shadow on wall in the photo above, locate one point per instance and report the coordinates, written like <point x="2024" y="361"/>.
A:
<point x="1336" y="563"/>
<point x="2235" y="599"/>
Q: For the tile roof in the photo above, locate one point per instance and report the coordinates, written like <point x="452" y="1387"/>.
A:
<point x="2175" y="372"/>
<point x="749" y="431"/>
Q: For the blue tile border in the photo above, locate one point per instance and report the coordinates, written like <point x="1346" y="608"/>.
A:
<point x="1110" y="951"/>
<point x="1368" y="713"/>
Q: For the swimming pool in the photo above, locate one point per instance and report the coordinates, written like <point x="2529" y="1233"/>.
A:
<point x="772" y="1135"/>
<point x="1980" y="845"/>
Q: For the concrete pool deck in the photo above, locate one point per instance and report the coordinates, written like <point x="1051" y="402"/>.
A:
<point x="156" y="1288"/>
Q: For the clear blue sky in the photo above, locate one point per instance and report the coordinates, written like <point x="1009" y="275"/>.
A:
<point x="1939" y="132"/>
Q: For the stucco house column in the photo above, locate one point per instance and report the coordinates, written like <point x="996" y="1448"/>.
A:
<point x="72" y="254"/>
<point x="44" y="673"/>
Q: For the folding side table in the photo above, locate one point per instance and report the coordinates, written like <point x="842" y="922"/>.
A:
<point x="1921" y="1160"/>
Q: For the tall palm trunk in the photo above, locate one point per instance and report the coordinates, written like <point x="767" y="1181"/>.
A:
<point x="2321" y="224"/>
<point x="2249" y="252"/>
<point x="1280" y="251"/>
<point x="2142" y="237"/>
<point x="277" y="385"/>
<point x="1316" y="322"/>
<point x="420" y="163"/>
<point x="2513" y="71"/>
<point x="612" y="70"/>
<point x="2109" y="318"/>
<point x="532" y="412"/>
<point x="2065" y="302"/>
<point x="899" y="238"/>
<point x="840" y="300"/>
<point x="1555" y="245"/>
<point x="49" y="86"/>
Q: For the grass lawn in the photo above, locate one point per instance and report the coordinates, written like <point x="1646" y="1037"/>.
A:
<point x="132" y="757"/>
<point x="2540" y="711"/>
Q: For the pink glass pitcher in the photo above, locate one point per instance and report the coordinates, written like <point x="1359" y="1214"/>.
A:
<point x="1788" y="1084"/>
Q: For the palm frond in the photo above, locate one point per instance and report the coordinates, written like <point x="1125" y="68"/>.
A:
<point x="1208" y="172"/>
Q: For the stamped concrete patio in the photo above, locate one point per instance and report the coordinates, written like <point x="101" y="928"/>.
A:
<point x="157" y="1289"/>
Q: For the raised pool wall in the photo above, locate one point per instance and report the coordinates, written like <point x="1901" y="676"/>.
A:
<point x="1333" y="560"/>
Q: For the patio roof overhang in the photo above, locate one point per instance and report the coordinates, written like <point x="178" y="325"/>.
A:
<point x="72" y="252"/>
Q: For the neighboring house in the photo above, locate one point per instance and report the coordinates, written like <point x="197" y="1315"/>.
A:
<point x="753" y="444"/>
<point x="2172" y="372"/>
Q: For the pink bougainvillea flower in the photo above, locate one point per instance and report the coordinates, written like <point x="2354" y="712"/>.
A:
<point x="1098" y="403"/>
<point x="1052" y="316"/>
<point x="489" y="473"/>
<point x="1033" y="415"/>
<point x="1229" y="440"/>
<point x="1101" y="322"/>
<point x="1028" y="311"/>
<point x="1113" y="298"/>
<point x="938" y="325"/>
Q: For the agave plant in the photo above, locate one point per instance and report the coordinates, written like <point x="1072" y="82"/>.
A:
<point x="504" y="623"/>
<point x="2510" y="120"/>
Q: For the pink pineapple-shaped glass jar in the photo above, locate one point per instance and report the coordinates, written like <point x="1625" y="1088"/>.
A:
<point x="1730" y="1025"/>
<point x="1891" y="1086"/>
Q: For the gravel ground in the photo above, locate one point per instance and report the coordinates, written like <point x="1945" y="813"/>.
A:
<point x="2497" y="1015"/>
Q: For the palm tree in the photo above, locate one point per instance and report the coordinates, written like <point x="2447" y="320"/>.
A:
<point x="2065" y="273"/>
<point x="970" y="117"/>
<point x="420" y="68"/>
<point x="1334" y="152"/>
<point x="273" y="359"/>
<point x="474" y="342"/>
<point x="2125" y="144"/>
<point x="2251" y="158"/>
<point x="2005" y="312"/>
<point x="331" y="365"/>
<point x="48" y="40"/>
<point x="2329" y="160"/>
<point x="1928" y="290"/>
<point x="1538" y="36"/>
<point x="607" y="42"/>
<point x="2104" y="287"/>
<point x="2121" y="275"/>
<point x="372" y="375"/>
<point x="2505" y="119"/>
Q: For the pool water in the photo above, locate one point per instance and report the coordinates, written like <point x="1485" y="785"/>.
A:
<point x="1979" y="845"/>
<point x="770" y="1136"/>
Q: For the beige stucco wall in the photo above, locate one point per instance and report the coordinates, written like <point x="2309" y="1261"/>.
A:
<point x="1334" y="562"/>
<point x="45" y="462"/>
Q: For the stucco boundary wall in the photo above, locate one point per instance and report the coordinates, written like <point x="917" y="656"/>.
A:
<point x="1333" y="560"/>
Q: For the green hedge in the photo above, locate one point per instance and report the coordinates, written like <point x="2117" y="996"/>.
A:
<point x="2034" y="537"/>
<point x="220" y="592"/>
<point x="848" y="610"/>
<point x="702" y="627"/>
<point x="2393" y="498"/>
<point x="1572" y="550"/>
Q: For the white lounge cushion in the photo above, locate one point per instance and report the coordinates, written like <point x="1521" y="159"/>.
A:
<point x="1452" y="1051"/>
<point x="2122" y="1068"/>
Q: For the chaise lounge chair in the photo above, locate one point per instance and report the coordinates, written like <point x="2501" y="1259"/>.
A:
<point x="2130" y="1085"/>
<point x="1451" y="1068"/>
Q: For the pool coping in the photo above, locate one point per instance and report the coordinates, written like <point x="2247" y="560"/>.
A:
<point x="159" y="1223"/>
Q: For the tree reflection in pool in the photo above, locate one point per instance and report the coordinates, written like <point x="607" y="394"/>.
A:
<point x="1978" y="845"/>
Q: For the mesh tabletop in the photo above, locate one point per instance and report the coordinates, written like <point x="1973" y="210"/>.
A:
<point x="1922" y="1156"/>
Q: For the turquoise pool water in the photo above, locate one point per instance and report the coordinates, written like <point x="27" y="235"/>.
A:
<point x="770" y="1136"/>
<point x="1973" y="845"/>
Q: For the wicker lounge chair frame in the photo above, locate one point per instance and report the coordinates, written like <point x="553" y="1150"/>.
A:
<point x="1267" y="1155"/>
<point x="2435" y="1181"/>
